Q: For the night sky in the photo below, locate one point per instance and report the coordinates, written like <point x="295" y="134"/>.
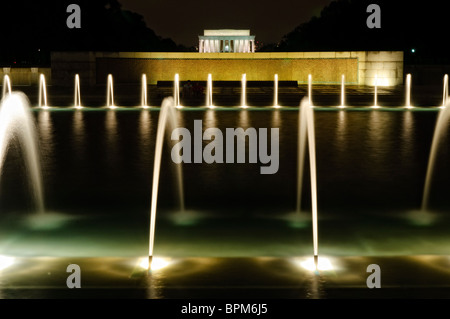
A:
<point x="183" y="21"/>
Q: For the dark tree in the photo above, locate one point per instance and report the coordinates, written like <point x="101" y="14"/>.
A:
<point x="32" y="29"/>
<point x="404" y="25"/>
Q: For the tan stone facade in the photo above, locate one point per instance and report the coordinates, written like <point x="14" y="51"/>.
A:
<point x="359" y="67"/>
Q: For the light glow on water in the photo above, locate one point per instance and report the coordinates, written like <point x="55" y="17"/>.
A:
<point x="310" y="264"/>
<point x="6" y="261"/>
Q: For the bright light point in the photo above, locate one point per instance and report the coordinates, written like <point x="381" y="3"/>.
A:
<point x="145" y="106"/>
<point x="45" y="107"/>
<point x="341" y="106"/>
<point x="5" y="262"/>
<point x="112" y="107"/>
<point x="159" y="263"/>
<point x="375" y="107"/>
<point x="179" y="107"/>
<point x="413" y="50"/>
<point x="78" y="107"/>
<point x="211" y="106"/>
<point x="409" y="107"/>
<point x="144" y="263"/>
<point x="276" y="106"/>
<point x="324" y="264"/>
<point x="244" y="106"/>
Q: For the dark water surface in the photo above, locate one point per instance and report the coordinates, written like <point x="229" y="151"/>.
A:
<point x="98" y="164"/>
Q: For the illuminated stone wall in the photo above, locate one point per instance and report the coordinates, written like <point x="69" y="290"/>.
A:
<point x="26" y="76"/>
<point x="359" y="67"/>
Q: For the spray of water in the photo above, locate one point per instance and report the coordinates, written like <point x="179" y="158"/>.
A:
<point x="306" y="129"/>
<point x="275" y="91"/>
<point x="243" y="91"/>
<point x="16" y="121"/>
<point x="6" y="86"/>
<point x="209" y="101"/>
<point x="110" y="93"/>
<point x="176" y="91"/>
<point x="42" y="92"/>
<point x="441" y="124"/>
<point x="408" y="91"/>
<point x="144" y="91"/>
<point x="167" y="120"/>
<point x="77" y="93"/>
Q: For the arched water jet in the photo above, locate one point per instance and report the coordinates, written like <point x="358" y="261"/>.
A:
<point x="42" y="92"/>
<point x="441" y="124"/>
<point x="275" y="92"/>
<point x="445" y="91"/>
<point x="77" y="93"/>
<point x="176" y="91"/>
<point x="243" y="91"/>
<point x="144" y="91"/>
<point x="209" y="101"/>
<point x="110" y="93"/>
<point x="167" y="116"/>
<point x="306" y="129"/>
<point x="408" y="91"/>
<point x="342" y="92"/>
<point x="6" y="86"/>
<point x="16" y="120"/>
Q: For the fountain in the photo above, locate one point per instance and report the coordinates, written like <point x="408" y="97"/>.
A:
<point x="77" y="93"/>
<point x="209" y="101"/>
<point x="176" y="92"/>
<point x="167" y="116"/>
<point x="375" y="93"/>
<point x="310" y="89"/>
<point x="342" y="92"/>
<point x="110" y="93"/>
<point x="6" y="86"/>
<point x="144" y="92"/>
<point x="445" y="91"/>
<point x="16" y="121"/>
<point x="441" y="124"/>
<point x="306" y="129"/>
<point x="275" y="92"/>
<point x="243" y="91"/>
<point x="408" y="92"/>
<point x="42" y="92"/>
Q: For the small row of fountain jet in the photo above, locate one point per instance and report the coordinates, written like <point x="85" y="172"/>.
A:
<point x="42" y="102"/>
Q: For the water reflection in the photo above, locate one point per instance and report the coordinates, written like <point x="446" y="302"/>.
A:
<point x="210" y="119"/>
<point x="111" y="137"/>
<point x="341" y="130"/>
<point x="276" y="119"/>
<point x="45" y="126"/>
<point x="408" y="127"/>
<point x="79" y="136"/>
<point x="244" y="120"/>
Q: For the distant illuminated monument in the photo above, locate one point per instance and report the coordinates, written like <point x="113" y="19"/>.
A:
<point x="227" y="40"/>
